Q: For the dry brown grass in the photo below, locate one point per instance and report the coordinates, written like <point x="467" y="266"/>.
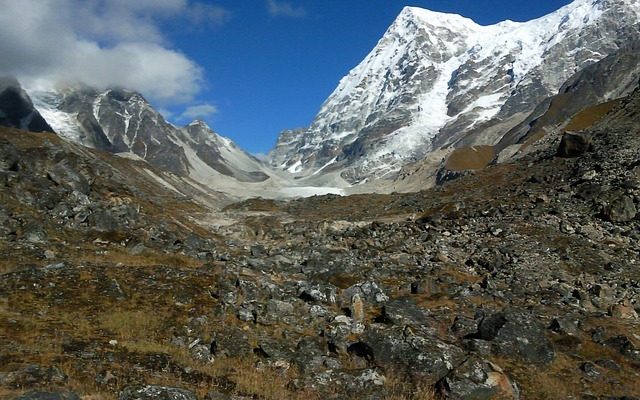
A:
<point x="533" y="138"/>
<point x="131" y="325"/>
<point x="115" y="255"/>
<point x="470" y="158"/>
<point x="590" y="116"/>
<point x="399" y="388"/>
<point x="6" y="393"/>
<point x="268" y="383"/>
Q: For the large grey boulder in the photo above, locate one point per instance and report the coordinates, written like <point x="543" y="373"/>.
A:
<point x="417" y="353"/>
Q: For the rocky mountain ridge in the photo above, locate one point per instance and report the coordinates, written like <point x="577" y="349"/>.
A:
<point x="122" y="121"/>
<point x="437" y="80"/>
<point x="17" y="110"/>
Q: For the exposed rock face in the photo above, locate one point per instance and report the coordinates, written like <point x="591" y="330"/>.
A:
<point x="434" y="79"/>
<point x="16" y="108"/>
<point x="615" y="76"/>
<point x="122" y="121"/>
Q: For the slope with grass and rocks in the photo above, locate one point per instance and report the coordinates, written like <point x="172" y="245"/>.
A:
<point x="518" y="281"/>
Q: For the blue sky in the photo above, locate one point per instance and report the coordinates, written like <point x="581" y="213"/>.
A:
<point x="249" y="68"/>
<point x="267" y="70"/>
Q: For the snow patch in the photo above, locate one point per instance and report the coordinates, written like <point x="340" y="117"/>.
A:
<point x="308" y="191"/>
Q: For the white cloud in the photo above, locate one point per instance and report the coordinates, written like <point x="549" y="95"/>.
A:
<point x="200" y="111"/>
<point x="201" y="15"/>
<point x="102" y="43"/>
<point x="285" y="9"/>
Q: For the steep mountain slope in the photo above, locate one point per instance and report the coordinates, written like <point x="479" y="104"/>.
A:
<point x="436" y="80"/>
<point x="122" y="121"/>
<point x="611" y="78"/>
<point x="583" y="100"/>
<point x="16" y="108"/>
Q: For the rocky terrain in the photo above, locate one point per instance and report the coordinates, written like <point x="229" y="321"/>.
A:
<point x="122" y="121"/>
<point x="518" y="281"/>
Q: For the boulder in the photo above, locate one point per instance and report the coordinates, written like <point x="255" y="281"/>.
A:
<point x="479" y="379"/>
<point x="63" y="174"/>
<point x="621" y="209"/>
<point x="153" y="392"/>
<point x="419" y="354"/>
<point x="34" y="395"/>
<point x="32" y="376"/>
<point x="522" y="337"/>
<point x="574" y="144"/>
<point x="516" y="335"/>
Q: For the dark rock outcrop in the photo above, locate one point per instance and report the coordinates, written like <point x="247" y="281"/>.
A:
<point x="17" y="110"/>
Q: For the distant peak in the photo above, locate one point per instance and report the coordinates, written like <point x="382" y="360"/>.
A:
<point x="435" y="18"/>
<point x="200" y="123"/>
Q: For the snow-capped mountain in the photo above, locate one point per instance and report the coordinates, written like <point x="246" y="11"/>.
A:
<point x="436" y="80"/>
<point x="122" y="121"/>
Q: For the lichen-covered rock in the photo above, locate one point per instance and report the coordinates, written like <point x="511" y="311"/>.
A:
<point x="152" y="392"/>
<point x="33" y="376"/>
<point x="36" y="395"/>
<point x="523" y="337"/>
<point x="479" y="379"/>
<point x="416" y="353"/>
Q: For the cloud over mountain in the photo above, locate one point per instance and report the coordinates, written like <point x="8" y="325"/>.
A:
<point x="102" y="43"/>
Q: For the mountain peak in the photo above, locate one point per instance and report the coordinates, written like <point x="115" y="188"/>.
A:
<point x="434" y="79"/>
<point x="434" y="19"/>
<point x="201" y="124"/>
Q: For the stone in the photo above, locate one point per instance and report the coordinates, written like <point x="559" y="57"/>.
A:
<point x="64" y="175"/>
<point x="517" y="335"/>
<point x="621" y="209"/>
<point x="35" y="395"/>
<point x="625" y="346"/>
<point x="464" y="327"/>
<point x="201" y="353"/>
<point x="490" y="326"/>
<point x="369" y="292"/>
<point x="215" y="395"/>
<point x="153" y="392"/>
<point x="574" y="144"/>
<point x="34" y="233"/>
<point x="231" y="342"/>
<point x="357" y="308"/>
<point x="564" y="326"/>
<point x="404" y="312"/>
<point x="479" y="379"/>
<point x="590" y="370"/>
<point x="418" y="353"/>
<point x="427" y="286"/>
<point x="34" y="375"/>
<point x="103" y="221"/>
<point x="370" y="377"/>
<point x="622" y="311"/>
